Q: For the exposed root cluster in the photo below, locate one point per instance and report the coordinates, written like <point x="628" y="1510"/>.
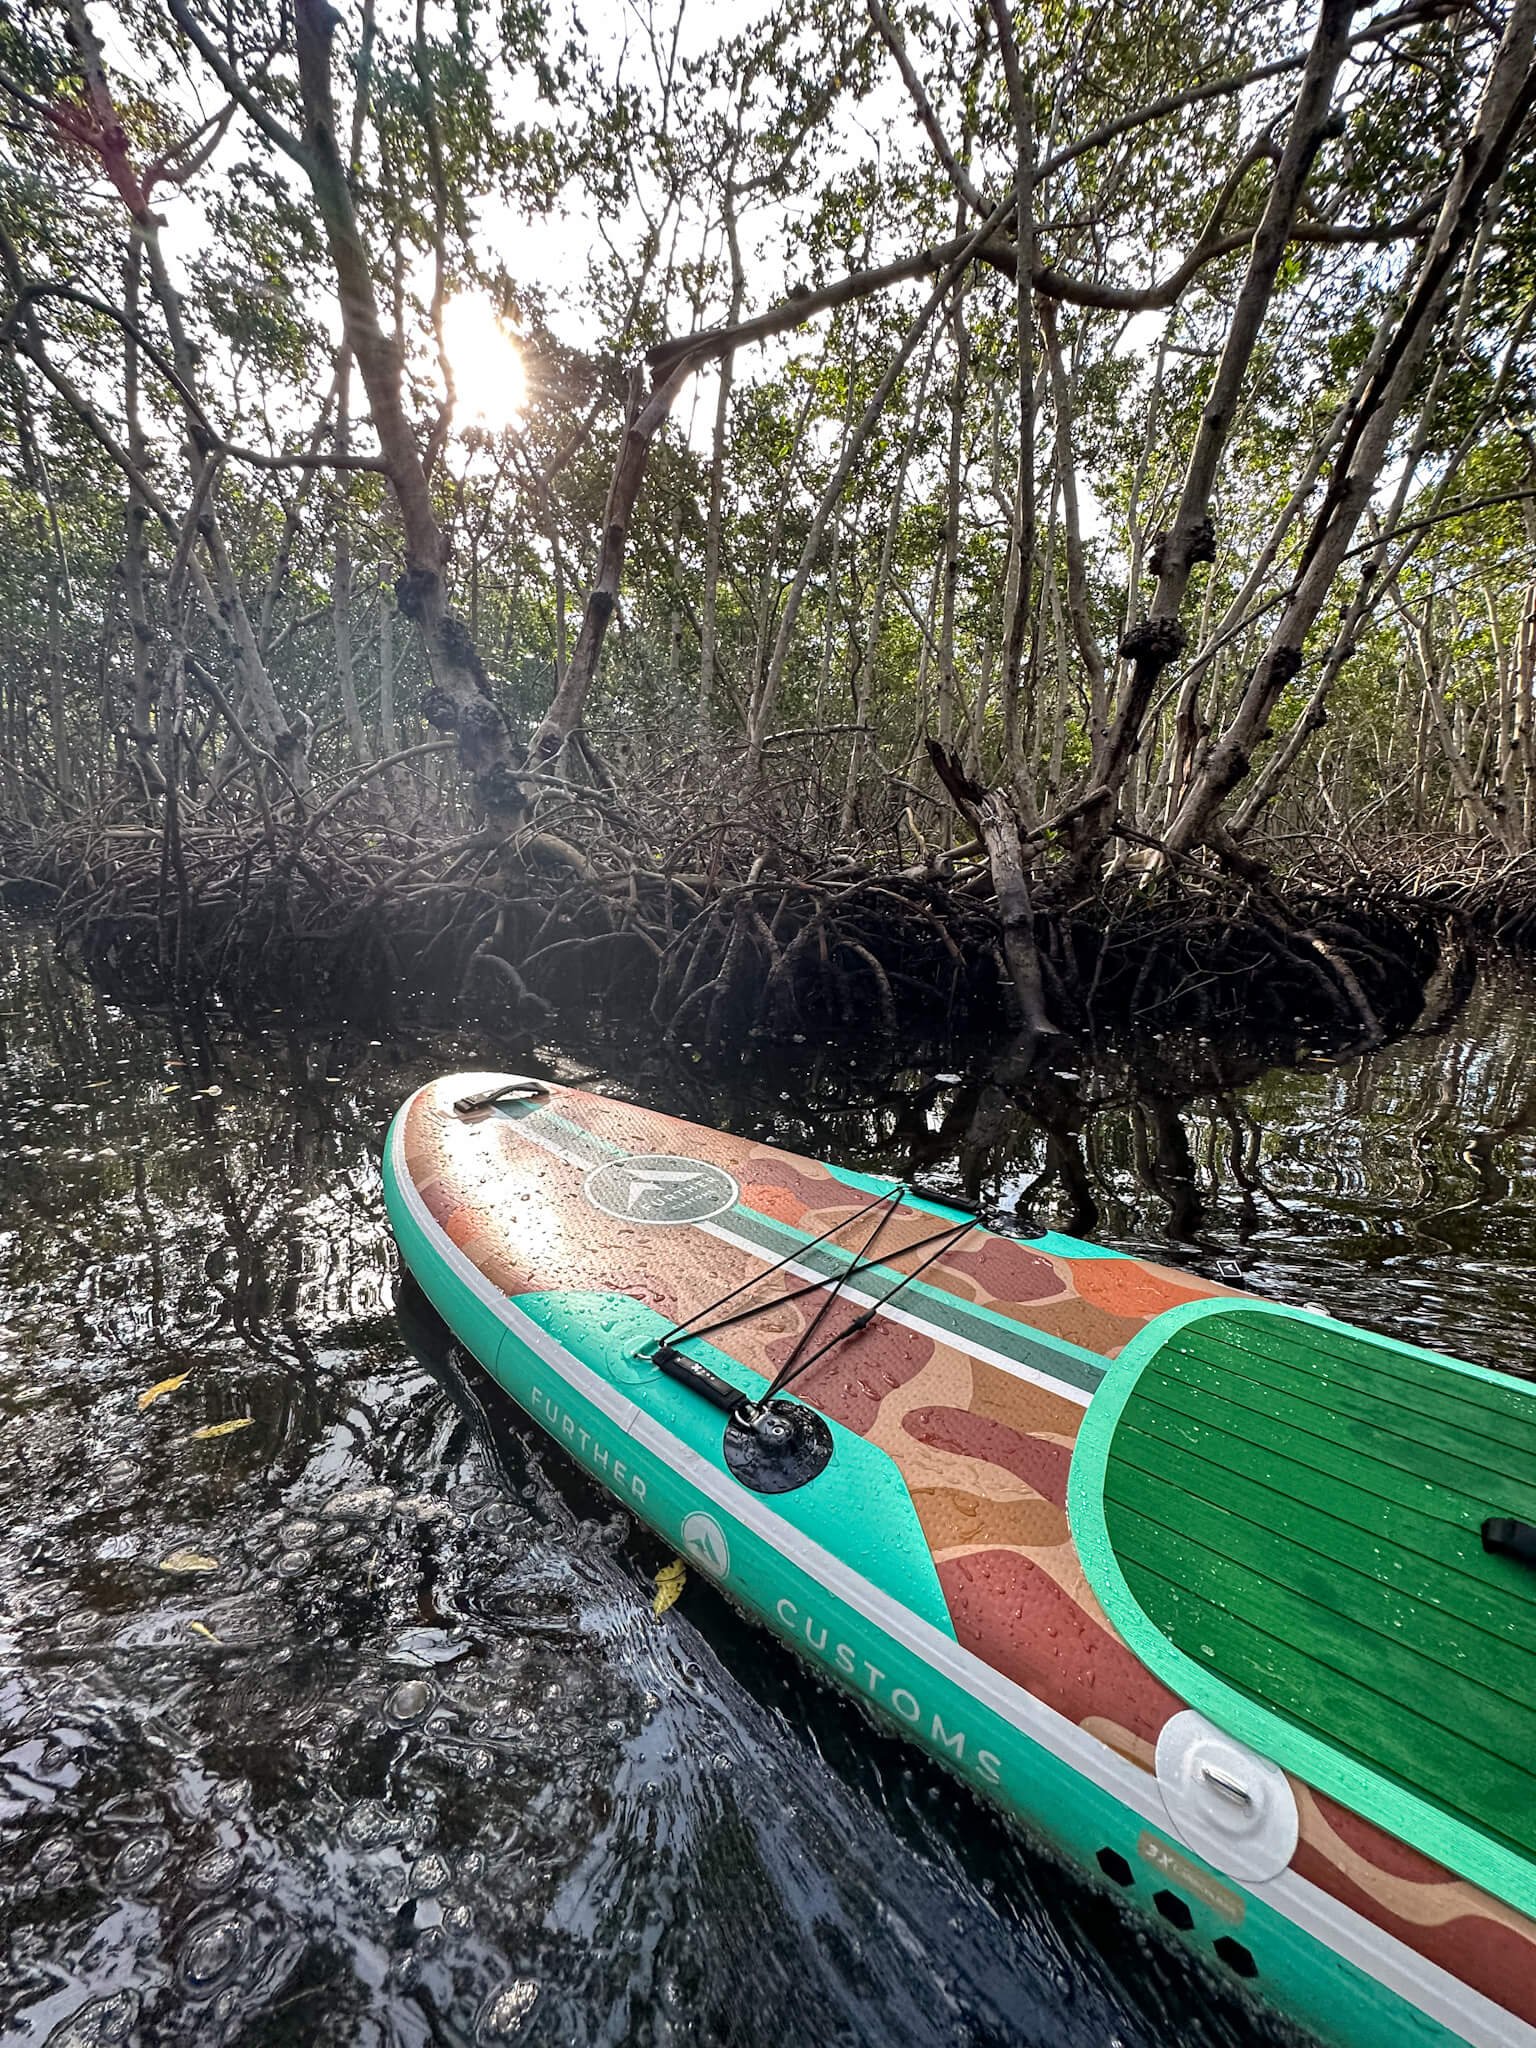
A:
<point x="610" y="909"/>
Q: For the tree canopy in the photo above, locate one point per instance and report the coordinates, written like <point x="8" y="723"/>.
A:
<point x="1105" y="433"/>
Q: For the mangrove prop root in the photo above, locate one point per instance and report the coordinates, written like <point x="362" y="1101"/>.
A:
<point x="725" y="941"/>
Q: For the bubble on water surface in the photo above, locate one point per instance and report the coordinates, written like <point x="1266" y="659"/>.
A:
<point x="102" y="2024"/>
<point x="425" y="1509"/>
<point x="215" y="1951"/>
<point x="216" y="1871"/>
<point x="408" y="1702"/>
<point x="506" y="2013"/>
<point x="297" y="1535"/>
<point x="55" y="1863"/>
<point x="371" y="1826"/>
<point x="429" y="1874"/>
<point x="359" y="1504"/>
<point x="138" y="1862"/>
<point x="231" y="1794"/>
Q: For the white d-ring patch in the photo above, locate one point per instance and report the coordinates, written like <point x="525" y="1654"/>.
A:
<point x="1229" y="1804"/>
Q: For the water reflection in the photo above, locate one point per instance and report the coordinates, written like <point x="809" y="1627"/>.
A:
<point x="351" y="1722"/>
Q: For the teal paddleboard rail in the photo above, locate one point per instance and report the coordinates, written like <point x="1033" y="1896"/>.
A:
<point x="1282" y="1516"/>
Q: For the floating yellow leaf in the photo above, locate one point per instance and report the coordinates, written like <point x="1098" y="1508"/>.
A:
<point x="200" y="1436"/>
<point x="152" y="1394"/>
<point x="199" y="1628"/>
<point x="670" y="1581"/>
<point x="188" y="1561"/>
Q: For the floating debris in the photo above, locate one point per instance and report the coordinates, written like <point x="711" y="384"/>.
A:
<point x="670" y="1581"/>
<point x="361" y="1504"/>
<point x="188" y="1561"/>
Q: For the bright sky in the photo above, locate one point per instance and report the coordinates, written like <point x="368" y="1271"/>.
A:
<point x="552" y="251"/>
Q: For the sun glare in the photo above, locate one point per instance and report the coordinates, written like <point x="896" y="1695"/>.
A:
<point x="490" y="386"/>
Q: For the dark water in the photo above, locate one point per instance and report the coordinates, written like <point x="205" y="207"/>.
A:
<point x="410" y="1759"/>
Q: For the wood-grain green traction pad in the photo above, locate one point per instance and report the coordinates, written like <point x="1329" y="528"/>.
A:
<point x="1282" y="1516"/>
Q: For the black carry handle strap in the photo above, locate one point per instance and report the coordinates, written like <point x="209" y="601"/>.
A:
<point x="1505" y="1537"/>
<point x="692" y="1373"/>
<point x="524" y="1090"/>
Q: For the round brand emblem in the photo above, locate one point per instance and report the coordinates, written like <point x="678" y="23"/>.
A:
<point x="704" y="1541"/>
<point x="658" y="1187"/>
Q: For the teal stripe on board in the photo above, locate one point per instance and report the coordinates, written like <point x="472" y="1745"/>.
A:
<point x="581" y="1147"/>
<point x="1055" y="1356"/>
<point x="1051" y="1242"/>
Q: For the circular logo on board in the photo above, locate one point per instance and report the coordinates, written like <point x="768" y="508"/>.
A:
<point x="704" y="1541"/>
<point x="659" y="1187"/>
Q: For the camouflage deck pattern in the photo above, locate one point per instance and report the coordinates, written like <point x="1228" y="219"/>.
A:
<point x="984" y="1452"/>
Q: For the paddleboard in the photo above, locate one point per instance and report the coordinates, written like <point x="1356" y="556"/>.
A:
<point x="1232" y="1604"/>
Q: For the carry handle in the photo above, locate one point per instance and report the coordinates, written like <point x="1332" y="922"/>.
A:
<point x="1505" y="1537"/>
<point x="522" y="1088"/>
<point x="694" y="1374"/>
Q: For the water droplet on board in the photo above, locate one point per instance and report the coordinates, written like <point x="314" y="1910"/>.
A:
<point x="506" y="2013"/>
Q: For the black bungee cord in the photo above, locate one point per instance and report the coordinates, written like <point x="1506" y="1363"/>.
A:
<point x="775" y="1446"/>
<point x="794" y="1368"/>
<point x="683" y="1330"/>
<point x="666" y="1353"/>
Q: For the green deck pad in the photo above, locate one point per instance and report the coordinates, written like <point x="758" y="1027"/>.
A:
<point x="1283" y="1516"/>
